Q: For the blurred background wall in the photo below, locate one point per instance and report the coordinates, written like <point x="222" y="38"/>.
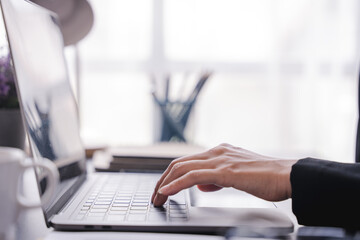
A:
<point x="284" y="77"/>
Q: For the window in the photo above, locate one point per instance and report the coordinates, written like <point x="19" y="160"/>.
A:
<point x="284" y="79"/>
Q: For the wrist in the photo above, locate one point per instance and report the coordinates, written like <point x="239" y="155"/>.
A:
<point x="285" y="177"/>
<point x="288" y="178"/>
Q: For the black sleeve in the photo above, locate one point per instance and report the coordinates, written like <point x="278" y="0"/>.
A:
<point x="326" y="193"/>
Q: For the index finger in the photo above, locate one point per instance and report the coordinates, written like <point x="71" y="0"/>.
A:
<point x="199" y="156"/>
<point x="202" y="176"/>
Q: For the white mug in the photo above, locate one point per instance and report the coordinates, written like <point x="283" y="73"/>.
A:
<point x="13" y="163"/>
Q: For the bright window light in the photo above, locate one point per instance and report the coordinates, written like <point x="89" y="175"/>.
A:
<point x="284" y="82"/>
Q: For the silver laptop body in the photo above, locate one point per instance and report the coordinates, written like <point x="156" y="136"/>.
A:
<point x="96" y="201"/>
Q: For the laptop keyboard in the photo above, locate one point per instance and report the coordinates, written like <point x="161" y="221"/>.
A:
<point x="128" y="198"/>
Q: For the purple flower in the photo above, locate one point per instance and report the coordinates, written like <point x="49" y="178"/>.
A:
<point x="8" y="97"/>
<point x="4" y="90"/>
<point x="6" y="77"/>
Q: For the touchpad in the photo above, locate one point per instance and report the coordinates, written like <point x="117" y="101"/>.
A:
<point x="227" y="197"/>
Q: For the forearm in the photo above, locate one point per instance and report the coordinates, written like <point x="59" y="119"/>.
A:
<point x="326" y="193"/>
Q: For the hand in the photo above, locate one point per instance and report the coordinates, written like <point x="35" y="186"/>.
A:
<point x="227" y="166"/>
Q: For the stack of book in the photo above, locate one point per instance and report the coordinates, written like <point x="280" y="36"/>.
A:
<point x="142" y="158"/>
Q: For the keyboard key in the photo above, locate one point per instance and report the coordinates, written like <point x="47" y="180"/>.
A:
<point x="107" y="194"/>
<point x="124" y="195"/>
<point x="100" y="210"/>
<point x="120" y="204"/>
<point x="83" y="212"/>
<point x="142" y="196"/>
<point x="105" y="199"/>
<point x="122" y="201"/>
<point x="102" y="203"/>
<point x="100" y="206"/>
<point x="85" y="208"/>
<point x="178" y="206"/>
<point x="104" y="194"/>
<point x="119" y="209"/>
<point x="138" y="208"/>
<point x="143" y="204"/>
<point x="117" y="212"/>
<point x="141" y="200"/>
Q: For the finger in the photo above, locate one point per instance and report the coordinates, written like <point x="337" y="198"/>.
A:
<point x="208" y="187"/>
<point x="216" y="151"/>
<point x="203" y="176"/>
<point x="178" y="170"/>
<point x="182" y="168"/>
<point x="159" y="199"/>
<point x="200" y="156"/>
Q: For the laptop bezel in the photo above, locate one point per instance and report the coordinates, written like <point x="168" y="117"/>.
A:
<point x="59" y="201"/>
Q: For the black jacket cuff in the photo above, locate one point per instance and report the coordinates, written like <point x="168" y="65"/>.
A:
<point x="326" y="193"/>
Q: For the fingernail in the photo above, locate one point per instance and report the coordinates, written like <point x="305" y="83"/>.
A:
<point x="163" y="190"/>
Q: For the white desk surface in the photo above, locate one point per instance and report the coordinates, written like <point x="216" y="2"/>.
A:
<point x="31" y="224"/>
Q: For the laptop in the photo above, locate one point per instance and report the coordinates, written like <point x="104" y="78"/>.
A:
<point x="97" y="201"/>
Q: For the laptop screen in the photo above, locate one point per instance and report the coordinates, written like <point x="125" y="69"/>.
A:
<point x="47" y="102"/>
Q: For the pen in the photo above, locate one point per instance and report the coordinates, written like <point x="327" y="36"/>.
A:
<point x="184" y="114"/>
<point x="167" y="86"/>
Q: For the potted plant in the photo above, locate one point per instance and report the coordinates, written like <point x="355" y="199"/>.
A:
<point x="11" y="126"/>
